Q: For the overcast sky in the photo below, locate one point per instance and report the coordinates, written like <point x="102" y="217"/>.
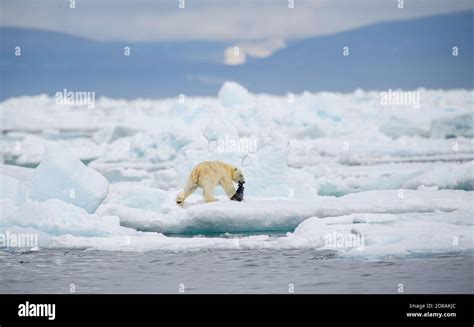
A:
<point x="259" y="26"/>
<point x="150" y="20"/>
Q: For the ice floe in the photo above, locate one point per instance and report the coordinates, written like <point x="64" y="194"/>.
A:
<point x="343" y="172"/>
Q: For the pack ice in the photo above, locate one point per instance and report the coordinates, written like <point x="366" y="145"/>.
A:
<point x="61" y="175"/>
<point x="339" y="172"/>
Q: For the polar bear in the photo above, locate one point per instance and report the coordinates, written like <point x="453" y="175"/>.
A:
<point x="209" y="174"/>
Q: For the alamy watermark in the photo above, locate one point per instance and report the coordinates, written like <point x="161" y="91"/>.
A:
<point x="345" y="240"/>
<point x="78" y="98"/>
<point x="400" y="98"/>
<point x="18" y="240"/>
<point x="28" y="309"/>
<point x="234" y="145"/>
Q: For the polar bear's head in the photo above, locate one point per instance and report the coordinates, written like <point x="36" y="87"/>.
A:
<point x="237" y="175"/>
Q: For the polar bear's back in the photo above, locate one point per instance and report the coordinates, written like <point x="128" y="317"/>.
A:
<point x="210" y="168"/>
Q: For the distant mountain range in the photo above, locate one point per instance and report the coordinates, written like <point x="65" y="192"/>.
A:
<point x="403" y="54"/>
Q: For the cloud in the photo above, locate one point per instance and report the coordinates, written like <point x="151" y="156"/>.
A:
<point x="237" y="54"/>
<point x="235" y="21"/>
<point x="233" y="56"/>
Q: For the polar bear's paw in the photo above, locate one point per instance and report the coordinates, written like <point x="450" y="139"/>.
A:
<point x="180" y="198"/>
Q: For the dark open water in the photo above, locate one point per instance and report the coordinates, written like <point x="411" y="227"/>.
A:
<point x="53" y="271"/>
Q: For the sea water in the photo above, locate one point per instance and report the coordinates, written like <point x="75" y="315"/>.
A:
<point x="229" y="271"/>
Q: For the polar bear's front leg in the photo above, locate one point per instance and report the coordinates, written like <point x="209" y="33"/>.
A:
<point x="228" y="188"/>
<point x="208" y="187"/>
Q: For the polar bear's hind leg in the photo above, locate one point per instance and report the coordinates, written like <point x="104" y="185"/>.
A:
<point x="188" y="190"/>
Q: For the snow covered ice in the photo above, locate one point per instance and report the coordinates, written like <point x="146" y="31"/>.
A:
<point x="232" y="94"/>
<point x="332" y="171"/>
<point x="60" y="175"/>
